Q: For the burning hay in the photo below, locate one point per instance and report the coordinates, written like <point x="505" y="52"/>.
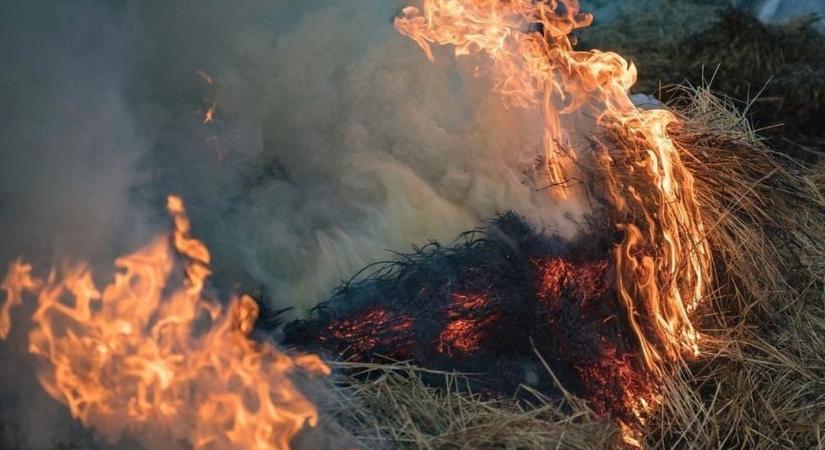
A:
<point x="509" y="305"/>
<point x="758" y="379"/>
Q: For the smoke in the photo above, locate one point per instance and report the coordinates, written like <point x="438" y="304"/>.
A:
<point x="71" y="148"/>
<point x="70" y="144"/>
<point x="333" y="140"/>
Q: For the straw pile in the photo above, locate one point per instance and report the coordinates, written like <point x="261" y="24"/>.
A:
<point x="760" y="380"/>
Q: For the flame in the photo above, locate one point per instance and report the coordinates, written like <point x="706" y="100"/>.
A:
<point x="161" y="361"/>
<point x="209" y="115"/>
<point x="663" y="262"/>
<point x="18" y="280"/>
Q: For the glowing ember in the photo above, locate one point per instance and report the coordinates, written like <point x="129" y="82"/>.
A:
<point x="486" y="306"/>
<point x="584" y="280"/>
<point x="374" y="330"/>
<point x="464" y="332"/>
<point x="160" y="361"/>
<point x="615" y="379"/>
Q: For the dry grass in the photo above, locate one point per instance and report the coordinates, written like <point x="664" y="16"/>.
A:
<point x="760" y="379"/>
<point x="391" y="406"/>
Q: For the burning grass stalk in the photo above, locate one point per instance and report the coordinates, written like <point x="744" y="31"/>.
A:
<point x="759" y="380"/>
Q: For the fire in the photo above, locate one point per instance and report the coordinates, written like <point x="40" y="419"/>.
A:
<point x="209" y="115"/>
<point x="374" y="329"/>
<point x="155" y="358"/>
<point x="586" y="279"/>
<point x="463" y="333"/>
<point x="663" y="262"/>
<point x="17" y="282"/>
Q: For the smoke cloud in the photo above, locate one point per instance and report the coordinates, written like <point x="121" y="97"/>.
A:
<point x="333" y="140"/>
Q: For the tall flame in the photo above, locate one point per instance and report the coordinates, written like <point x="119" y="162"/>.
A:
<point x="160" y="361"/>
<point x="663" y="262"/>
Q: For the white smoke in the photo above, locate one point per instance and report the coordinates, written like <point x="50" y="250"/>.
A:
<point x="334" y="140"/>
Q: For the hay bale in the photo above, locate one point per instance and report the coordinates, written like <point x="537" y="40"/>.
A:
<point x="780" y="69"/>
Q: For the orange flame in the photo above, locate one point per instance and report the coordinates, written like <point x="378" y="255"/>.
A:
<point x="209" y="116"/>
<point x="18" y="281"/>
<point x="160" y="361"/>
<point x="663" y="263"/>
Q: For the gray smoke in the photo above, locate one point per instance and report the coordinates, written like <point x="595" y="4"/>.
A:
<point x="70" y="141"/>
<point x="69" y="161"/>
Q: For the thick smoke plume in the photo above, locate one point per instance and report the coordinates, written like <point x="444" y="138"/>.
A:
<point x="332" y="140"/>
